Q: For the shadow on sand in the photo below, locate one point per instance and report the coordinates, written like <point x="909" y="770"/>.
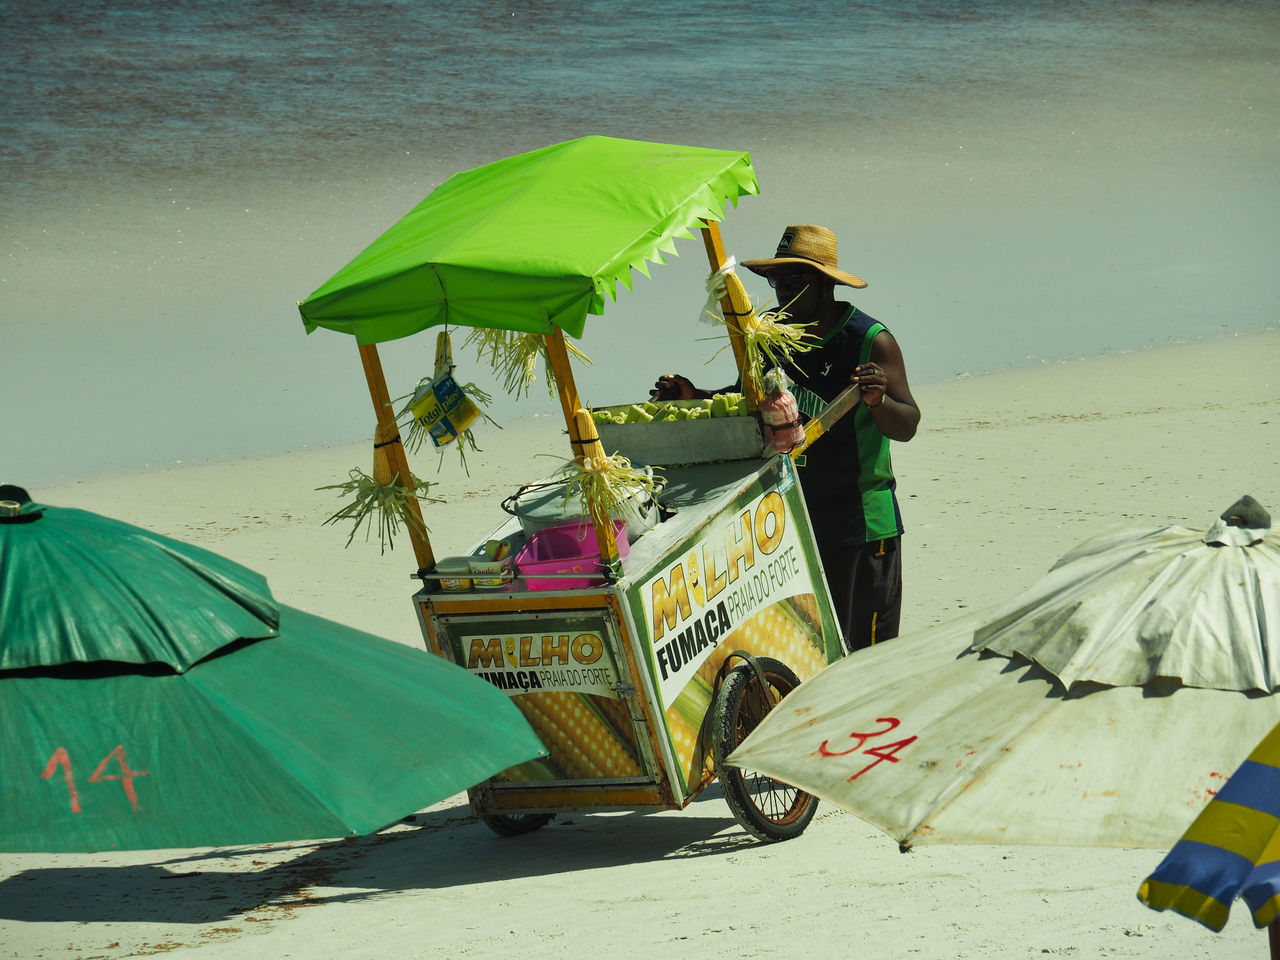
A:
<point x="434" y="849"/>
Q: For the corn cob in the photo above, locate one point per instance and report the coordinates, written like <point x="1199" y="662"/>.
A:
<point x="767" y="339"/>
<point x="382" y="474"/>
<point x="390" y="502"/>
<point x="578" y="740"/>
<point x="776" y="632"/>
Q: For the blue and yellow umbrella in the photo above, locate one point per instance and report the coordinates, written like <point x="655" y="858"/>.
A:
<point x="1231" y="850"/>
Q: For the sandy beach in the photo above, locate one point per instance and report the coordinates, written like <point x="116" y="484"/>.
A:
<point x="1009" y="471"/>
<point x="1019" y="183"/>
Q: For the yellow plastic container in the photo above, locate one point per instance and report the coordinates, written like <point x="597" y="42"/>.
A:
<point x="455" y="573"/>
<point x="489" y="574"/>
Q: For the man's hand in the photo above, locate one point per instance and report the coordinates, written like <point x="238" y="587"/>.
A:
<point x="672" y="386"/>
<point x="871" y="381"/>
<point x="882" y="382"/>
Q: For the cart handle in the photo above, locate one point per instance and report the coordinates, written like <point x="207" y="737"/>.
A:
<point x="509" y="504"/>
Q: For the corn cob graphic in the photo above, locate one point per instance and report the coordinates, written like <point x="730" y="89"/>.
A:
<point x="580" y="742"/>
<point x="776" y="631"/>
<point x="686" y="719"/>
<point x="779" y="631"/>
<point x="805" y="606"/>
<point x="617" y="713"/>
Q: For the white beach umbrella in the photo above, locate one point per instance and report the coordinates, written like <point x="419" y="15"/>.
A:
<point x="1128" y="607"/>
<point x="931" y="740"/>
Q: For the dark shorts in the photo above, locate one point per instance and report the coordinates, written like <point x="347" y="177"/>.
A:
<point x="866" y="590"/>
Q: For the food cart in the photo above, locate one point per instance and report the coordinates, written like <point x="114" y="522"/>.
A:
<point x="641" y="649"/>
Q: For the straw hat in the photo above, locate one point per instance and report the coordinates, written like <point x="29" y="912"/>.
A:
<point x="806" y="245"/>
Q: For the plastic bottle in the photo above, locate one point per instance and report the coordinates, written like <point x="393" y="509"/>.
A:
<point x="780" y="415"/>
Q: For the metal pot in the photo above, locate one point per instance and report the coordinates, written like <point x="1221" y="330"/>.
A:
<point x="541" y="505"/>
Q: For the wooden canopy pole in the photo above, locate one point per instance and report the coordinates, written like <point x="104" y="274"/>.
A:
<point x="566" y="389"/>
<point x="582" y="436"/>
<point x="387" y="438"/>
<point x="734" y="305"/>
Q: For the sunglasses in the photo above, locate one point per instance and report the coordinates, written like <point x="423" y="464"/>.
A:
<point x="792" y="281"/>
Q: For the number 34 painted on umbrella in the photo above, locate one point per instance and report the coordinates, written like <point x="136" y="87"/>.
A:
<point x="62" y="759"/>
<point x="881" y="752"/>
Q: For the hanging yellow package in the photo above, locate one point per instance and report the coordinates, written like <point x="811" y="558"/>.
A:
<point x="444" y="411"/>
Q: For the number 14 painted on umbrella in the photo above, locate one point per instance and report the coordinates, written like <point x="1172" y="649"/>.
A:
<point x="881" y="752"/>
<point x="62" y="759"/>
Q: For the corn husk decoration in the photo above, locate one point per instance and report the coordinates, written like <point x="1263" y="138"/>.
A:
<point x="769" y="340"/>
<point x="514" y="357"/>
<point x="379" y="496"/>
<point x="609" y="487"/>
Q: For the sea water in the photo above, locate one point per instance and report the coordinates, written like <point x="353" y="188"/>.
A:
<point x="1020" y="183"/>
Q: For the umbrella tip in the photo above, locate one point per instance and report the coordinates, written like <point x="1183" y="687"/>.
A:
<point x="1243" y="524"/>
<point x="1247" y="512"/>
<point x="12" y="499"/>
<point x="11" y="491"/>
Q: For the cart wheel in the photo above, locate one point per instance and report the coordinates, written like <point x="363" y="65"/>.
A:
<point x="514" y="824"/>
<point x="767" y="809"/>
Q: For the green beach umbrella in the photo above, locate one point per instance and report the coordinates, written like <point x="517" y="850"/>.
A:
<point x="121" y="594"/>
<point x="531" y="241"/>
<point x="155" y="695"/>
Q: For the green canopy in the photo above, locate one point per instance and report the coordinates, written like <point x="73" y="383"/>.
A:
<point x="315" y="731"/>
<point x="532" y="241"/>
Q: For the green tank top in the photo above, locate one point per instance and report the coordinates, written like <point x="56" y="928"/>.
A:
<point x="851" y="464"/>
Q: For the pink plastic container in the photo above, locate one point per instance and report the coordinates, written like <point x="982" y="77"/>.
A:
<point x="566" y="548"/>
